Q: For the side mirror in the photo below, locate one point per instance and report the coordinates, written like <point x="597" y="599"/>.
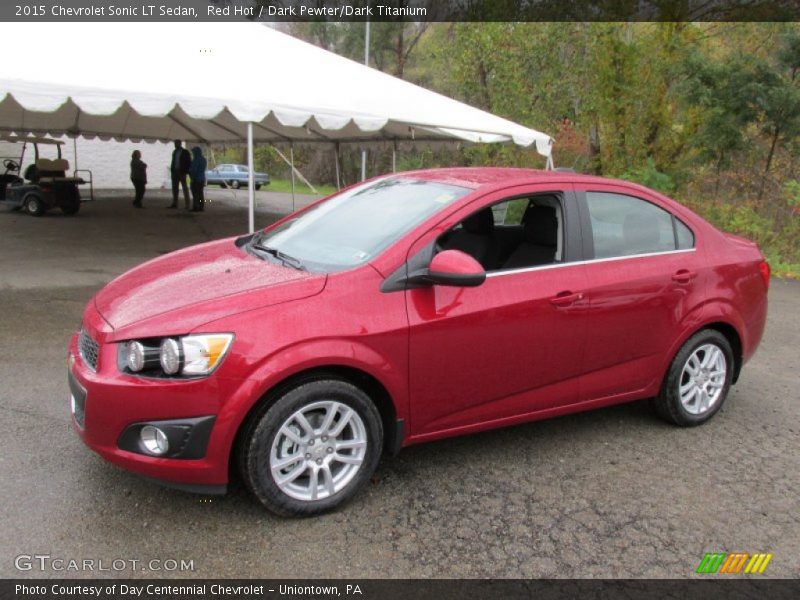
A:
<point x="456" y="268"/>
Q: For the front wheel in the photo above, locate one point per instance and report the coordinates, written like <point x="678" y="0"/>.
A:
<point x="313" y="449"/>
<point x="34" y="205"/>
<point x="698" y="380"/>
<point x="236" y="184"/>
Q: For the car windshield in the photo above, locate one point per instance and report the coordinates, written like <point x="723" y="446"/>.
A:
<point x="355" y="226"/>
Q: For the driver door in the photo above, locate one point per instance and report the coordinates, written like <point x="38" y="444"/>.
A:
<point x="507" y="348"/>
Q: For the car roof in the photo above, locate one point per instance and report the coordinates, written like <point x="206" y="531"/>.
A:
<point x="479" y="177"/>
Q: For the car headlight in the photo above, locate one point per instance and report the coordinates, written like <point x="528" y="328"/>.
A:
<point x="190" y="355"/>
<point x="134" y="356"/>
<point x="137" y="356"/>
<point x="202" y="353"/>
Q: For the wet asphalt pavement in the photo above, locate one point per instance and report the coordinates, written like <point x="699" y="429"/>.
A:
<point x="610" y="493"/>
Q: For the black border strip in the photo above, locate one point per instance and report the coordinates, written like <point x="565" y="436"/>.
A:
<point x="399" y="10"/>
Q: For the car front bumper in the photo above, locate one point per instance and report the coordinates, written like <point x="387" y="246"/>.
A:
<point x="109" y="408"/>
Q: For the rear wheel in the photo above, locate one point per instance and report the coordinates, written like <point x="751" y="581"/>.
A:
<point x="258" y="186"/>
<point x="34" y="206"/>
<point x="72" y="204"/>
<point x="313" y="449"/>
<point x="698" y="380"/>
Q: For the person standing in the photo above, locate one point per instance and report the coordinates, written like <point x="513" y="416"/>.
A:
<point x="138" y="177"/>
<point x="197" y="172"/>
<point x="179" y="169"/>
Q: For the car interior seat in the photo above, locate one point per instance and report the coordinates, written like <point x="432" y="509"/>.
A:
<point x="31" y="173"/>
<point x="475" y="237"/>
<point x="541" y="239"/>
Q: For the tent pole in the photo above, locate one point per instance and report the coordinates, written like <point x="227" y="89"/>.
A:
<point x="291" y="157"/>
<point x="336" y="160"/>
<point x="363" y="165"/>
<point x="366" y="63"/>
<point x="394" y="157"/>
<point x="251" y="199"/>
<point x="75" y="153"/>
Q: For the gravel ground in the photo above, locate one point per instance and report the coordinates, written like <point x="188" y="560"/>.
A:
<point x="611" y="493"/>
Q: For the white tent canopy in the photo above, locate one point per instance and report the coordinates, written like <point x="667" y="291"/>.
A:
<point x="202" y="82"/>
<point x="220" y="83"/>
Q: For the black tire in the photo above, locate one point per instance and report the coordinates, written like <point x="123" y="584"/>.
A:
<point x="258" y="186"/>
<point x="34" y="205"/>
<point x="259" y="435"/>
<point x="73" y="204"/>
<point x="235" y="184"/>
<point x="668" y="403"/>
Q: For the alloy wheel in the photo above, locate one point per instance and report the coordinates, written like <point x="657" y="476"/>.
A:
<point x="702" y="379"/>
<point x="318" y="450"/>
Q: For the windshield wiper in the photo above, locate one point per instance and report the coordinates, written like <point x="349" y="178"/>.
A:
<point x="282" y="256"/>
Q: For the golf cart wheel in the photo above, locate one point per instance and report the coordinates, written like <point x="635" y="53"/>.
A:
<point x="34" y="205"/>
<point x="236" y="184"/>
<point x="312" y="449"/>
<point x="73" y="204"/>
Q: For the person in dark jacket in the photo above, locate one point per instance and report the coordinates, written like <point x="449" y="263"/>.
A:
<point x="179" y="169"/>
<point x="138" y="177"/>
<point x="197" y="173"/>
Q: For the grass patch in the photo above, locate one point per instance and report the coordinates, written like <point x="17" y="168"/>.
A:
<point x="285" y="186"/>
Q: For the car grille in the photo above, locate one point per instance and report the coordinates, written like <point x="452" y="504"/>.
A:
<point x="88" y="349"/>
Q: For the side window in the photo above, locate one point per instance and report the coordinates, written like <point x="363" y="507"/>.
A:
<point x="514" y="234"/>
<point x="624" y="226"/>
<point x="510" y="212"/>
<point x="683" y="235"/>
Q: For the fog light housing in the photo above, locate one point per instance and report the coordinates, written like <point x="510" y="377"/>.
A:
<point x="154" y="440"/>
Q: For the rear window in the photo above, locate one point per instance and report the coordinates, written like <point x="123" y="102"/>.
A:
<point x="684" y="235"/>
<point x="626" y="226"/>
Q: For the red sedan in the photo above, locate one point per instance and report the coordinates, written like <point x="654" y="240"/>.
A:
<point x="409" y="308"/>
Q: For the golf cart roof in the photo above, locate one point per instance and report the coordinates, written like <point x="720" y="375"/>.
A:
<point x="17" y="139"/>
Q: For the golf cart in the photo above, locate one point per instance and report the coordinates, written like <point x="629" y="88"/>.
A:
<point x="45" y="183"/>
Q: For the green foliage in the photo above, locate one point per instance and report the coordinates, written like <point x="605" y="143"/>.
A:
<point x="651" y="177"/>
<point x="706" y="112"/>
<point x="791" y="192"/>
<point x="285" y="186"/>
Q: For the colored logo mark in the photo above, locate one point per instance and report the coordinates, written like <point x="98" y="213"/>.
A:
<point x="734" y="562"/>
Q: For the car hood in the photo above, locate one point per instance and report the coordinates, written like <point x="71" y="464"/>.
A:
<point x="187" y="288"/>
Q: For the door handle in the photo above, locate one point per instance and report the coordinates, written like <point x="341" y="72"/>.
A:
<point x="565" y="298"/>
<point x="682" y="276"/>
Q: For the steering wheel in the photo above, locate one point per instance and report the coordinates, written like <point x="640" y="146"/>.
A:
<point x="10" y="165"/>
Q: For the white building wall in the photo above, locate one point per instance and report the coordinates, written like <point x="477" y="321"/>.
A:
<point x="110" y="161"/>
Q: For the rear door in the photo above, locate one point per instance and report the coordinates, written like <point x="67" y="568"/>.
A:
<point x="644" y="283"/>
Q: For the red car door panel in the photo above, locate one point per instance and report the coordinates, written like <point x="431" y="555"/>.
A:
<point x="637" y="305"/>
<point x="508" y="347"/>
<point x="495" y="351"/>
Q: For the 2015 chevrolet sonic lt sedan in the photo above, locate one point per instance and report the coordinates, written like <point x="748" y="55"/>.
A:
<point x="409" y="308"/>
